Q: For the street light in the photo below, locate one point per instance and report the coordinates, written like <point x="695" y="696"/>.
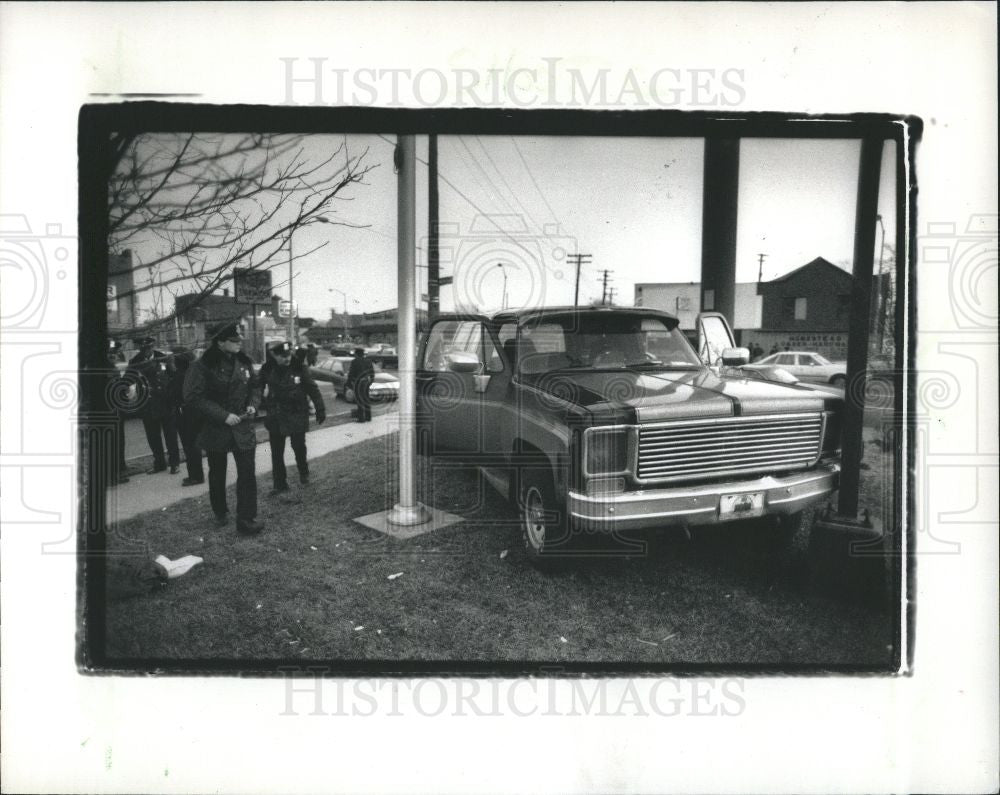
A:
<point x="291" y="295"/>
<point x="503" y="269"/>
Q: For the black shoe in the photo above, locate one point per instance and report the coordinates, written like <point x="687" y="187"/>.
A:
<point x="221" y="519"/>
<point x="174" y="470"/>
<point x="279" y="488"/>
<point x="249" y="527"/>
<point x="156" y="469"/>
<point x="192" y="481"/>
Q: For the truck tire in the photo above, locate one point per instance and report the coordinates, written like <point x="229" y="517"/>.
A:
<point x="544" y="525"/>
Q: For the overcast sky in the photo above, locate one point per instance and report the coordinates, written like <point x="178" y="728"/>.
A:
<point x="634" y="204"/>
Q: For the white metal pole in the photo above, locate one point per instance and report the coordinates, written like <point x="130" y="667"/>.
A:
<point x="407" y="511"/>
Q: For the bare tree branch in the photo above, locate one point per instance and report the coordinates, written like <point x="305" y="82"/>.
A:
<point x="191" y="207"/>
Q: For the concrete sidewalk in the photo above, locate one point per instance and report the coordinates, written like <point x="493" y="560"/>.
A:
<point x="145" y="493"/>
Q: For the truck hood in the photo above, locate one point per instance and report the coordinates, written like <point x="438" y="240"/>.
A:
<point x="657" y="396"/>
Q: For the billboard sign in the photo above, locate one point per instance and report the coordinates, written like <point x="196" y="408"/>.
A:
<point x="252" y="286"/>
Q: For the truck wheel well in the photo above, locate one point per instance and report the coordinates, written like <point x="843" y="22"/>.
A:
<point x="524" y="453"/>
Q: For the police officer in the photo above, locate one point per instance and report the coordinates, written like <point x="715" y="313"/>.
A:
<point x="359" y="378"/>
<point x="288" y="389"/>
<point x="118" y="397"/>
<point x="222" y="387"/>
<point x="188" y="421"/>
<point x="153" y="370"/>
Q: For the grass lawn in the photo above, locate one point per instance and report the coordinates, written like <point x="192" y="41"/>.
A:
<point x="316" y="586"/>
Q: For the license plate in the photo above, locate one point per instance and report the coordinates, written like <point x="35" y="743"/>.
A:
<point x="741" y="506"/>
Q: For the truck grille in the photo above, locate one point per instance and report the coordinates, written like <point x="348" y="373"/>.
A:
<point x="693" y="449"/>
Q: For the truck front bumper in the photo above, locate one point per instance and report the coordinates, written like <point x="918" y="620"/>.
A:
<point x="696" y="505"/>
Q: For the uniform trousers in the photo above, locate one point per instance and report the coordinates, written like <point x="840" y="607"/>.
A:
<point x="157" y="429"/>
<point x="246" y="483"/>
<point x="298" y="441"/>
<point x="362" y="396"/>
<point x="189" y="424"/>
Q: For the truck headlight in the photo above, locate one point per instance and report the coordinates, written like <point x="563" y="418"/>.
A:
<point x="606" y="451"/>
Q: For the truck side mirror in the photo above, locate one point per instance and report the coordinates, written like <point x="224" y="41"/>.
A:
<point x="735" y="357"/>
<point x="463" y="362"/>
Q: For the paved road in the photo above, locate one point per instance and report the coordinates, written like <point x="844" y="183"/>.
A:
<point x="338" y="411"/>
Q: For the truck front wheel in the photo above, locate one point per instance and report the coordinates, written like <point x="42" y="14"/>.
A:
<point x="544" y="527"/>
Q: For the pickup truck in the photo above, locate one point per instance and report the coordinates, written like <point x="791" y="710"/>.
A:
<point x="605" y="419"/>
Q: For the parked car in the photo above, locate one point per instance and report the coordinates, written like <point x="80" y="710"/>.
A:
<point x="809" y="366"/>
<point x="605" y="419"/>
<point x="772" y="372"/>
<point x="334" y="370"/>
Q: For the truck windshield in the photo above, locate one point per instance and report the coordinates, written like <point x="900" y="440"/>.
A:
<point x="602" y="341"/>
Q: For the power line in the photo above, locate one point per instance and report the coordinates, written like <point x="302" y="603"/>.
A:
<point x="492" y="190"/>
<point x="477" y="208"/>
<point x="520" y="204"/>
<point x="531" y="176"/>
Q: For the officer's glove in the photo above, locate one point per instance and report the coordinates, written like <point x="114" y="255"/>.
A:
<point x="320" y="418"/>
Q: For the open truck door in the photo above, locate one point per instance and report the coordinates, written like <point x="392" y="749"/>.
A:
<point x="716" y="346"/>
<point x="450" y="369"/>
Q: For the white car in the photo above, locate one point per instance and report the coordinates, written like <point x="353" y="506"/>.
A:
<point x="809" y="366"/>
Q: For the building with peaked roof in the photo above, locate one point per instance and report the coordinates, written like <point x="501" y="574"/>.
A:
<point x="815" y="297"/>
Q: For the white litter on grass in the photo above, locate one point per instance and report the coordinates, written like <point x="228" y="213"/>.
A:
<point x="394" y="576"/>
<point x="259" y="606"/>
<point x="179" y="567"/>
<point x="647" y="642"/>
<point x="314" y="549"/>
<point x="359" y="627"/>
<point x="378" y="632"/>
<point x="503" y="554"/>
<point x="562" y="639"/>
<point x="668" y="637"/>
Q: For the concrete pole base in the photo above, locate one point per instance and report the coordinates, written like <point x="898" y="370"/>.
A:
<point x="408" y="515"/>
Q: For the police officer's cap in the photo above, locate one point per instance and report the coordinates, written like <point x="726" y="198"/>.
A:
<point x="281" y="349"/>
<point x="228" y="331"/>
<point x="359" y="351"/>
<point x="144" y="341"/>
<point x="114" y="346"/>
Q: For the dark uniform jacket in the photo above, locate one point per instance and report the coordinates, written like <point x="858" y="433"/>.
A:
<point x="216" y="386"/>
<point x="361" y="367"/>
<point x="152" y="373"/>
<point x="288" y="392"/>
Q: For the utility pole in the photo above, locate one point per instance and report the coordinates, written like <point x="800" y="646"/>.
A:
<point x="760" y="267"/>
<point x="611" y="295"/>
<point x="433" y="250"/>
<point x="578" y="260"/>
<point x="604" y="288"/>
